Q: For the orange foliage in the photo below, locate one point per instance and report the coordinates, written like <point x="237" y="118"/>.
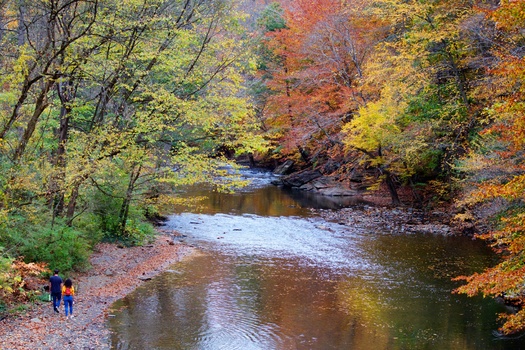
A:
<point x="508" y="278"/>
<point x="20" y="280"/>
<point x="315" y="83"/>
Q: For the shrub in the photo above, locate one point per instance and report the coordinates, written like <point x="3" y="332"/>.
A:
<point x="60" y="246"/>
<point x="17" y="280"/>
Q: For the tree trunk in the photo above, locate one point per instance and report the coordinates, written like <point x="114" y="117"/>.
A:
<point x="65" y="93"/>
<point x="124" y="210"/>
<point x="389" y="181"/>
<point x="392" y="189"/>
<point x="40" y="106"/>
<point x="304" y="154"/>
<point x="71" y="205"/>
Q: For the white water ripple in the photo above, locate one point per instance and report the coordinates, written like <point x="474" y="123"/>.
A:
<point x="315" y="242"/>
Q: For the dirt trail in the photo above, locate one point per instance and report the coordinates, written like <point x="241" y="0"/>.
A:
<point x="115" y="273"/>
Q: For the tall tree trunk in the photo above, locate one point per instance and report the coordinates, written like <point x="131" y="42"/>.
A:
<point x="40" y="105"/>
<point x="392" y="189"/>
<point x="124" y="209"/>
<point x="65" y="93"/>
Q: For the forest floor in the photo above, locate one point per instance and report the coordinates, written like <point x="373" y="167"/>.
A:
<point x="115" y="272"/>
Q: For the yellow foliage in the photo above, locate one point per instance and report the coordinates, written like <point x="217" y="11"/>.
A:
<point x="374" y="125"/>
<point x="464" y="217"/>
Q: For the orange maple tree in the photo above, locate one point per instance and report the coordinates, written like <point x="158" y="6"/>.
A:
<point x="507" y="132"/>
<point x="315" y="81"/>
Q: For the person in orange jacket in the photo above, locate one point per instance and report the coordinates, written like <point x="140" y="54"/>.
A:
<point x="68" y="292"/>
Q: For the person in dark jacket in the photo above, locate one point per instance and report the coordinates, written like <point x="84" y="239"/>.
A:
<point x="55" y="288"/>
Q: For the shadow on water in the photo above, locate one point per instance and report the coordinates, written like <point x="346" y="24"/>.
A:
<point x="317" y="201"/>
<point x="271" y="275"/>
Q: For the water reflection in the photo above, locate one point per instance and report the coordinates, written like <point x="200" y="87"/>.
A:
<point x="286" y="280"/>
<point x="261" y="198"/>
<point x="225" y="301"/>
<point x="270" y="201"/>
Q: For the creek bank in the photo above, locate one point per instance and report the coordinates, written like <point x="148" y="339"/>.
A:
<point x="316" y="182"/>
<point x="375" y="211"/>
<point x="116" y="271"/>
<point x="401" y="220"/>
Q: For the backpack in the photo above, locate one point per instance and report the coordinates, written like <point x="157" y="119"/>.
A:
<point x="67" y="291"/>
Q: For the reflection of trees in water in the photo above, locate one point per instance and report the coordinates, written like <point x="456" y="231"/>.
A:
<point x="265" y="201"/>
<point x="391" y="291"/>
<point x="260" y="198"/>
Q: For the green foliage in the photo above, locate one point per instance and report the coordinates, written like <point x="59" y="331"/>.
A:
<point x="42" y="297"/>
<point x="61" y="247"/>
<point x="104" y="120"/>
<point x="138" y="233"/>
<point x="5" y="280"/>
<point x="272" y="17"/>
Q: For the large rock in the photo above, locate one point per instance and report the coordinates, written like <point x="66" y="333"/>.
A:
<point x="300" y="178"/>
<point x="284" y="168"/>
<point x="328" y="187"/>
<point x="314" y="181"/>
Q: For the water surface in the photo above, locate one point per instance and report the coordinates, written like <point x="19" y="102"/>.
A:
<point x="272" y="275"/>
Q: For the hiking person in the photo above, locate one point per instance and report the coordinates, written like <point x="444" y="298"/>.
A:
<point x="55" y="288"/>
<point x="68" y="291"/>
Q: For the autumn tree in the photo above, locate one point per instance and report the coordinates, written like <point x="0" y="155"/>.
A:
<point x="495" y="167"/>
<point x="315" y="78"/>
<point x="425" y="105"/>
<point x="105" y="106"/>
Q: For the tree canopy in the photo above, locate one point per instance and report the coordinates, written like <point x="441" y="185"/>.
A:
<point x="107" y="106"/>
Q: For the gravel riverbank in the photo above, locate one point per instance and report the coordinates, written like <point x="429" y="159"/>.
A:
<point x="401" y="220"/>
<point x="115" y="272"/>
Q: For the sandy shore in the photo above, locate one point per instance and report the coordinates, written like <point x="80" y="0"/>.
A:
<point x="115" y="273"/>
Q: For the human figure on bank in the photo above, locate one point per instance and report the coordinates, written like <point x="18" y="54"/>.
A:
<point x="68" y="291"/>
<point x="55" y="288"/>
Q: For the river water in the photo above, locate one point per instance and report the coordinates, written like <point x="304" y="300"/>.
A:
<point x="272" y="275"/>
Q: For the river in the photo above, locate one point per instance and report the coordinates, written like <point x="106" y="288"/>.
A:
<point x="272" y="275"/>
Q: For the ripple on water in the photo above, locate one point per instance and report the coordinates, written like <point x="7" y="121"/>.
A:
<point x="314" y="243"/>
<point x="273" y="282"/>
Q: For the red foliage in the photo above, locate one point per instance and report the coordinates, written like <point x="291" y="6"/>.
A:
<point x="322" y="52"/>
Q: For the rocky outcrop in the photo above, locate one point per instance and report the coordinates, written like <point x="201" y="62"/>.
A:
<point x="301" y="178"/>
<point x="284" y="168"/>
<point x="328" y="186"/>
<point x="314" y="181"/>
